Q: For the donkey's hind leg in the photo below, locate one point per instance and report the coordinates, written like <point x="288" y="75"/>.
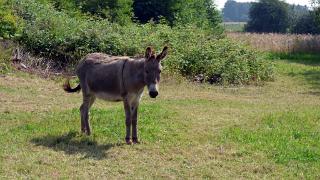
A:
<point x="88" y="100"/>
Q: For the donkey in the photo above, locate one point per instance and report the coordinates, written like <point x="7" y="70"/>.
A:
<point x="117" y="78"/>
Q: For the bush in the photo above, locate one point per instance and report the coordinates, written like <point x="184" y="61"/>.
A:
<point x="6" y="48"/>
<point x="9" y="27"/>
<point x="193" y="51"/>
<point x="222" y="61"/>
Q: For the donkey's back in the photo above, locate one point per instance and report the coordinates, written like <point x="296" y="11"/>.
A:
<point x="99" y="61"/>
<point x="101" y="75"/>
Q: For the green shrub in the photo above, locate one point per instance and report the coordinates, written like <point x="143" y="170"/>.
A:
<point x="193" y="50"/>
<point x="119" y="11"/>
<point x="222" y="58"/>
<point x="6" y="48"/>
<point x="9" y="27"/>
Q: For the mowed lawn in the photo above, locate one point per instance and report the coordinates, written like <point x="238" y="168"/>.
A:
<point x="190" y="130"/>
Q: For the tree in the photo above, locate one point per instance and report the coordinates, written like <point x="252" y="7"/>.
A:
<point x="145" y="10"/>
<point x="306" y="24"/>
<point x="236" y="11"/>
<point x="296" y="13"/>
<point x="316" y="4"/>
<point x="119" y="11"/>
<point x="268" y="16"/>
<point x="202" y="13"/>
<point x="199" y="12"/>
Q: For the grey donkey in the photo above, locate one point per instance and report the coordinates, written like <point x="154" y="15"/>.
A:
<point x="117" y="78"/>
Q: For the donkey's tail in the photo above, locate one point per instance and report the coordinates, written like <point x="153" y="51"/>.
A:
<point x="67" y="87"/>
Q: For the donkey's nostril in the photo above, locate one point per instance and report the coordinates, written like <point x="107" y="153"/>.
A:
<point x="153" y="94"/>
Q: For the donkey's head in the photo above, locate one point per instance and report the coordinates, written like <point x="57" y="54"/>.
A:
<point x="152" y="70"/>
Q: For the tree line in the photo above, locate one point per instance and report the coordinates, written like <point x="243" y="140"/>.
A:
<point x="273" y="16"/>
<point x="234" y="11"/>
<point x="279" y="17"/>
<point x="200" y="12"/>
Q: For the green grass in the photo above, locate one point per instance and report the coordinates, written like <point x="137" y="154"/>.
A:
<point x="288" y="138"/>
<point x="234" y="26"/>
<point x="284" y="137"/>
<point x="303" y="58"/>
<point x="190" y="131"/>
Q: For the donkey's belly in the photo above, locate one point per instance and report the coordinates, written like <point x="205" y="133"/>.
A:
<point x="108" y="96"/>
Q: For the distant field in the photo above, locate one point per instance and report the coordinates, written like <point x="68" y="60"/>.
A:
<point x="284" y="43"/>
<point x="234" y="26"/>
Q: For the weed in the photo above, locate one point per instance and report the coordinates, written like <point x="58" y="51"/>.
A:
<point x="281" y="43"/>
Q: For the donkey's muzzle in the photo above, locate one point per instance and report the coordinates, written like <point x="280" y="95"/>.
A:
<point x="153" y="94"/>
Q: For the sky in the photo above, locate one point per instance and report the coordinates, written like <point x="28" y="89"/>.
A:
<point x="220" y="3"/>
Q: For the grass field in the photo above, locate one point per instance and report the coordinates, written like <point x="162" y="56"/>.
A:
<point x="279" y="43"/>
<point x="190" y="131"/>
<point x="234" y="26"/>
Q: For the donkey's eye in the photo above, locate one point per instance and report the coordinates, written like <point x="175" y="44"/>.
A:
<point x="147" y="71"/>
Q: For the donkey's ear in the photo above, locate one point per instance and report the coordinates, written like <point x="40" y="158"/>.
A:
<point x="148" y="53"/>
<point x="163" y="54"/>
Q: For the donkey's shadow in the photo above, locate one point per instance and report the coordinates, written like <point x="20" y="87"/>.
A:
<point x="71" y="144"/>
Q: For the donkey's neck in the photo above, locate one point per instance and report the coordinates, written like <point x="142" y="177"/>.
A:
<point x="134" y="75"/>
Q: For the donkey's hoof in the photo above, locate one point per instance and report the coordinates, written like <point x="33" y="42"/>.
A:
<point x="135" y="141"/>
<point x="84" y="132"/>
<point x="128" y="141"/>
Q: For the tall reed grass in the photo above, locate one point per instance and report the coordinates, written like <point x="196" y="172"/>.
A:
<point x="283" y="43"/>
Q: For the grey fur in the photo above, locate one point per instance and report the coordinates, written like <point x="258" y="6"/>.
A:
<point x="117" y="78"/>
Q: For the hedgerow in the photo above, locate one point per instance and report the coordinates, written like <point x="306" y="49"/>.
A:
<point x="9" y="27"/>
<point x="193" y="51"/>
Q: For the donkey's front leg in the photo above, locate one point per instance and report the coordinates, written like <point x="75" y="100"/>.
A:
<point x="134" y="116"/>
<point x="128" y="121"/>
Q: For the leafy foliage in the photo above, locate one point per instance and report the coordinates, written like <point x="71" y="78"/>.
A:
<point x="194" y="51"/>
<point x="153" y="10"/>
<point x="316" y="4"/>
<point x="295" y="12"/>
<point x="119" y="11"/>
<point x="9" y="27"/>
<point x="239" y="12"/>
<point x="221" y="58"/>
<point x="202" y="13"/>
<point x="268" y="16"/>
<point x="236" y="11"/>
<point x="299" y="17"/>
<point x="307" y="24"/>
<point x="5" y="56"/>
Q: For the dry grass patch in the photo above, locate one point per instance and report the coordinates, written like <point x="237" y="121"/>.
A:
<point x="284" y="43"/>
